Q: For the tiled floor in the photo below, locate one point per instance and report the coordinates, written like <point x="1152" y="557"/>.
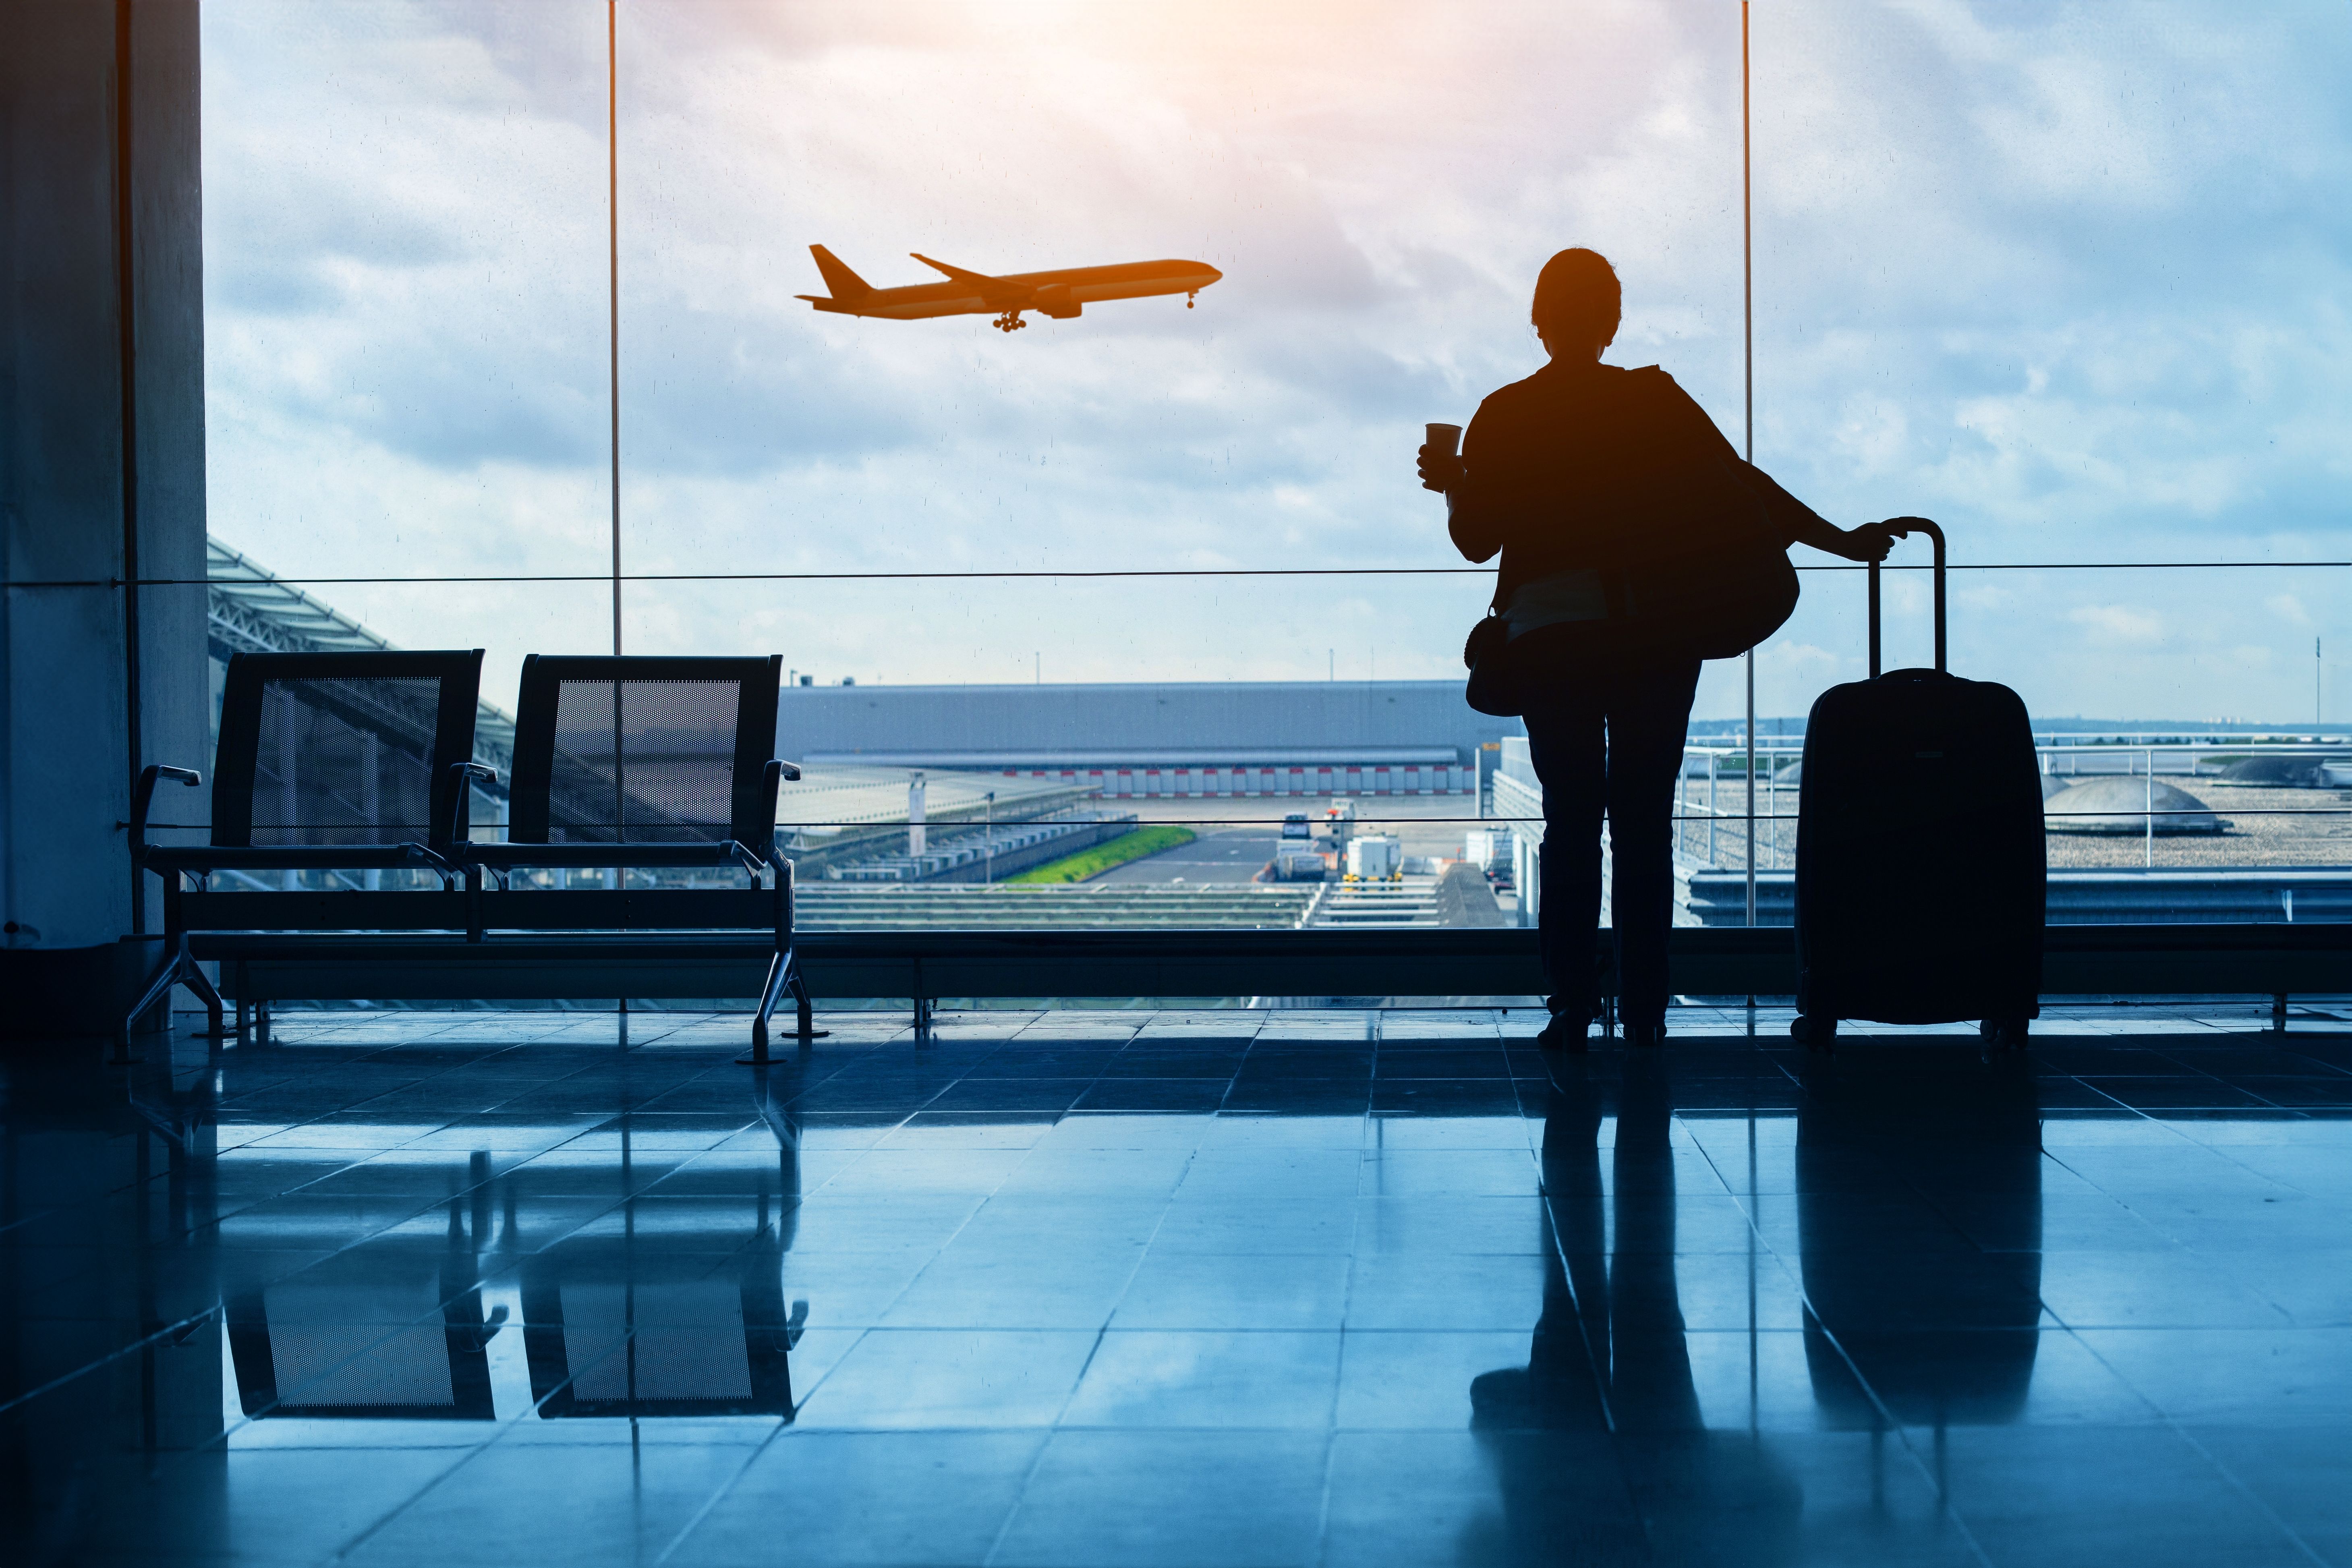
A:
<point x="1184" y="1288"/>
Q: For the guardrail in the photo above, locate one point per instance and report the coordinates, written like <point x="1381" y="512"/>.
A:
<point x="2251" y="960"/>
<point x="1700" y="816"/>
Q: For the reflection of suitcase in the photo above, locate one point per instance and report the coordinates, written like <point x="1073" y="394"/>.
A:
<point x="1920" y="852"/>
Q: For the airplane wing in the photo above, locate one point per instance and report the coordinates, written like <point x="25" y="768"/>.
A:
<point x="958" y="273"/>
<point x="1002" y="294"/>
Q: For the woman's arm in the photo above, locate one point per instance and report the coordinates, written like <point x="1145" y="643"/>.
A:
<point x="1791" y="519"/>
<point x="1803" y="525"/>
<point x="1475" y="528"/>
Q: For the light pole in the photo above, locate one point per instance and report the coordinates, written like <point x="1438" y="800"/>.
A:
<point x="1747" y="319"/>
<point x="988" y="840"/>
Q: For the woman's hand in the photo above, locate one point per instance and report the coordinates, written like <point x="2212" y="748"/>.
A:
<point x="1868" y="543"/>
<point x="1441" y="471"/>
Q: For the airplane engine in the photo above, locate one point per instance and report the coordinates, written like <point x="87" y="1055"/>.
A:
<point x="1055" y="300"/>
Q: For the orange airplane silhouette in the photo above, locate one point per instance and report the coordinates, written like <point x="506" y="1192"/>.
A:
<point x="1059" y="294"/>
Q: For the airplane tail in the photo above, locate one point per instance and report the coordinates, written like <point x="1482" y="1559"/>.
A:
<point x="844" y="283"/>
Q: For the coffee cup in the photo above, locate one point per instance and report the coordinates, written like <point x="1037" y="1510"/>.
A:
<point x="1446" y="439"/>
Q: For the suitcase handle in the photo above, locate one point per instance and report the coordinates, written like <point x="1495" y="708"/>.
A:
<point x="1903" y="528"/>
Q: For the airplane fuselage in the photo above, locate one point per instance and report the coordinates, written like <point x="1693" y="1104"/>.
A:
<point x="1058" y="293"/>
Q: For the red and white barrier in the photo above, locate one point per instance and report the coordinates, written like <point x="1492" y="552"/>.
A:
<point x="1304" y="781"/>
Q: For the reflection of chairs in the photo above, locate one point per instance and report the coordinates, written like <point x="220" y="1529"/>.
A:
<point x="328" y="762"/>
<point x="1943" y="1334"/>
<point x="612" y="1330"/>
<point x="365" y="1352"/>
<point x="608" y="1334"/>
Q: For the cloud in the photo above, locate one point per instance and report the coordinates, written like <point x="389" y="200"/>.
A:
<point x="2117" y="623"/>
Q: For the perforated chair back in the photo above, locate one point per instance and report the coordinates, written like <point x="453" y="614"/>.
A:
<point x="645" y="750"/>
<point x="343" y="748"/>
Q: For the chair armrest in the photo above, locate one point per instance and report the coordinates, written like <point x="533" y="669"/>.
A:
<point x="459" y="773"/>
<point x="776" y="769"/>
<point x="432" y="859"/>
<point x="143" y="797"/>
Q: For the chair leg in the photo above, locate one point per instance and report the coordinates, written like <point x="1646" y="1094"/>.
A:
<point x="160" y="982"/>
<point x="779" y="971"/>
<point x="798" y="988"/>
<point x="197" y="981"/>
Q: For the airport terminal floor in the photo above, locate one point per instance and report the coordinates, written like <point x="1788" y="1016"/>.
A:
<point x="1209" y="1288"/>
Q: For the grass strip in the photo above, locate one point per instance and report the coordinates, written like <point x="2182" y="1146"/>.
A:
<point x="1112" y="852"/>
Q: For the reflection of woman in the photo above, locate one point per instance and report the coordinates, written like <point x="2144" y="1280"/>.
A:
<point x="1557" y="472"/>
<point x="1609" y="1372"/>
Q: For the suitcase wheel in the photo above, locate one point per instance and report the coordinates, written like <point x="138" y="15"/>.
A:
<point x="2004" y="1034"/>
<point x="1816" y="1031"/>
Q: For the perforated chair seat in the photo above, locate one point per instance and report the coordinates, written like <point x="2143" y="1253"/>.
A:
<point x="200" y="858"/>
<point x="590" y="857"/>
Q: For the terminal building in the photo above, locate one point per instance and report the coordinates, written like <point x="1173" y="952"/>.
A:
<point x="1166" y="739"/>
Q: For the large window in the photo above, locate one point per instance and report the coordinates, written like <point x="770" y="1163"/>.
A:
<point x="2069" y="279"/>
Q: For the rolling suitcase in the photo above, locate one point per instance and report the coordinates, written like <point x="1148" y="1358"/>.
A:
<point x="1919" y="853"/>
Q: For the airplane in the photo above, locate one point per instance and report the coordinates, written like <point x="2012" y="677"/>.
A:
<point x="1058" y="294"/>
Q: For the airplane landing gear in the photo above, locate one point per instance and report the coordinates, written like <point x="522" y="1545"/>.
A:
<point x="1187" y="298"/>
<point x="1009" y="322"/>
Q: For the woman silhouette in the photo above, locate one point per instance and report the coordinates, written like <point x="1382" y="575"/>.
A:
<point x="1562" y="473"/>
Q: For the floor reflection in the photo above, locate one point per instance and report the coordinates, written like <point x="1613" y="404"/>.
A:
<point x="1328" y="1290"/>
<point x="1609" y="1364"/>
<point x="667" y="1309"/>
<point x="1943" y="1334"/>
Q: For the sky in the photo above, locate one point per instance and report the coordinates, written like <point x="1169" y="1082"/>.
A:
<point x="2074" y="279"/>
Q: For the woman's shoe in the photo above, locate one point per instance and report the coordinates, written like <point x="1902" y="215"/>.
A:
<point x="1645" y="1037"/>
<point x="1564" y="1032"/>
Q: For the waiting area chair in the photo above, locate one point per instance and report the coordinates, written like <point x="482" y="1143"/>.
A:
<point x="328" y="762"/>
<point x="642" y="763"/>
<point x="620" y="764"/>
<point x="629" y="762"/>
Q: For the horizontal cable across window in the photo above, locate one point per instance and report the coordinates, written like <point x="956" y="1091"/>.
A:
<point x="1120" y="572"/>
<point x="1726" y="815"/>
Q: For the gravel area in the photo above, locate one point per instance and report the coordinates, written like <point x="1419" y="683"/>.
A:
<point x="2246" y="838"/>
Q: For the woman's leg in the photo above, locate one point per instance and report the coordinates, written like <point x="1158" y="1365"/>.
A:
<point x="1565" y="742"/>
<point x="1649" y="714"/>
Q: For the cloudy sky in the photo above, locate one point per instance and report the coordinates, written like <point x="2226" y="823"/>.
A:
<point x="2074" y="279"/>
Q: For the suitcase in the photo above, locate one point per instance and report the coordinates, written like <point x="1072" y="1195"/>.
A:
<point x="1921" y="865"/>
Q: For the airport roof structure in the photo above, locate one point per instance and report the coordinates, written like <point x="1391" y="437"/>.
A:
<point x="1094" y="725"/>
<point x="249" y="609"/>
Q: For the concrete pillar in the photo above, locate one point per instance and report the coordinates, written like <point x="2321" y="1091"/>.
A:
<point x="95" y="485"/>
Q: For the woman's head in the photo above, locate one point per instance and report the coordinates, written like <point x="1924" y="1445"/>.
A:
<point x="1577" y="302"/>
